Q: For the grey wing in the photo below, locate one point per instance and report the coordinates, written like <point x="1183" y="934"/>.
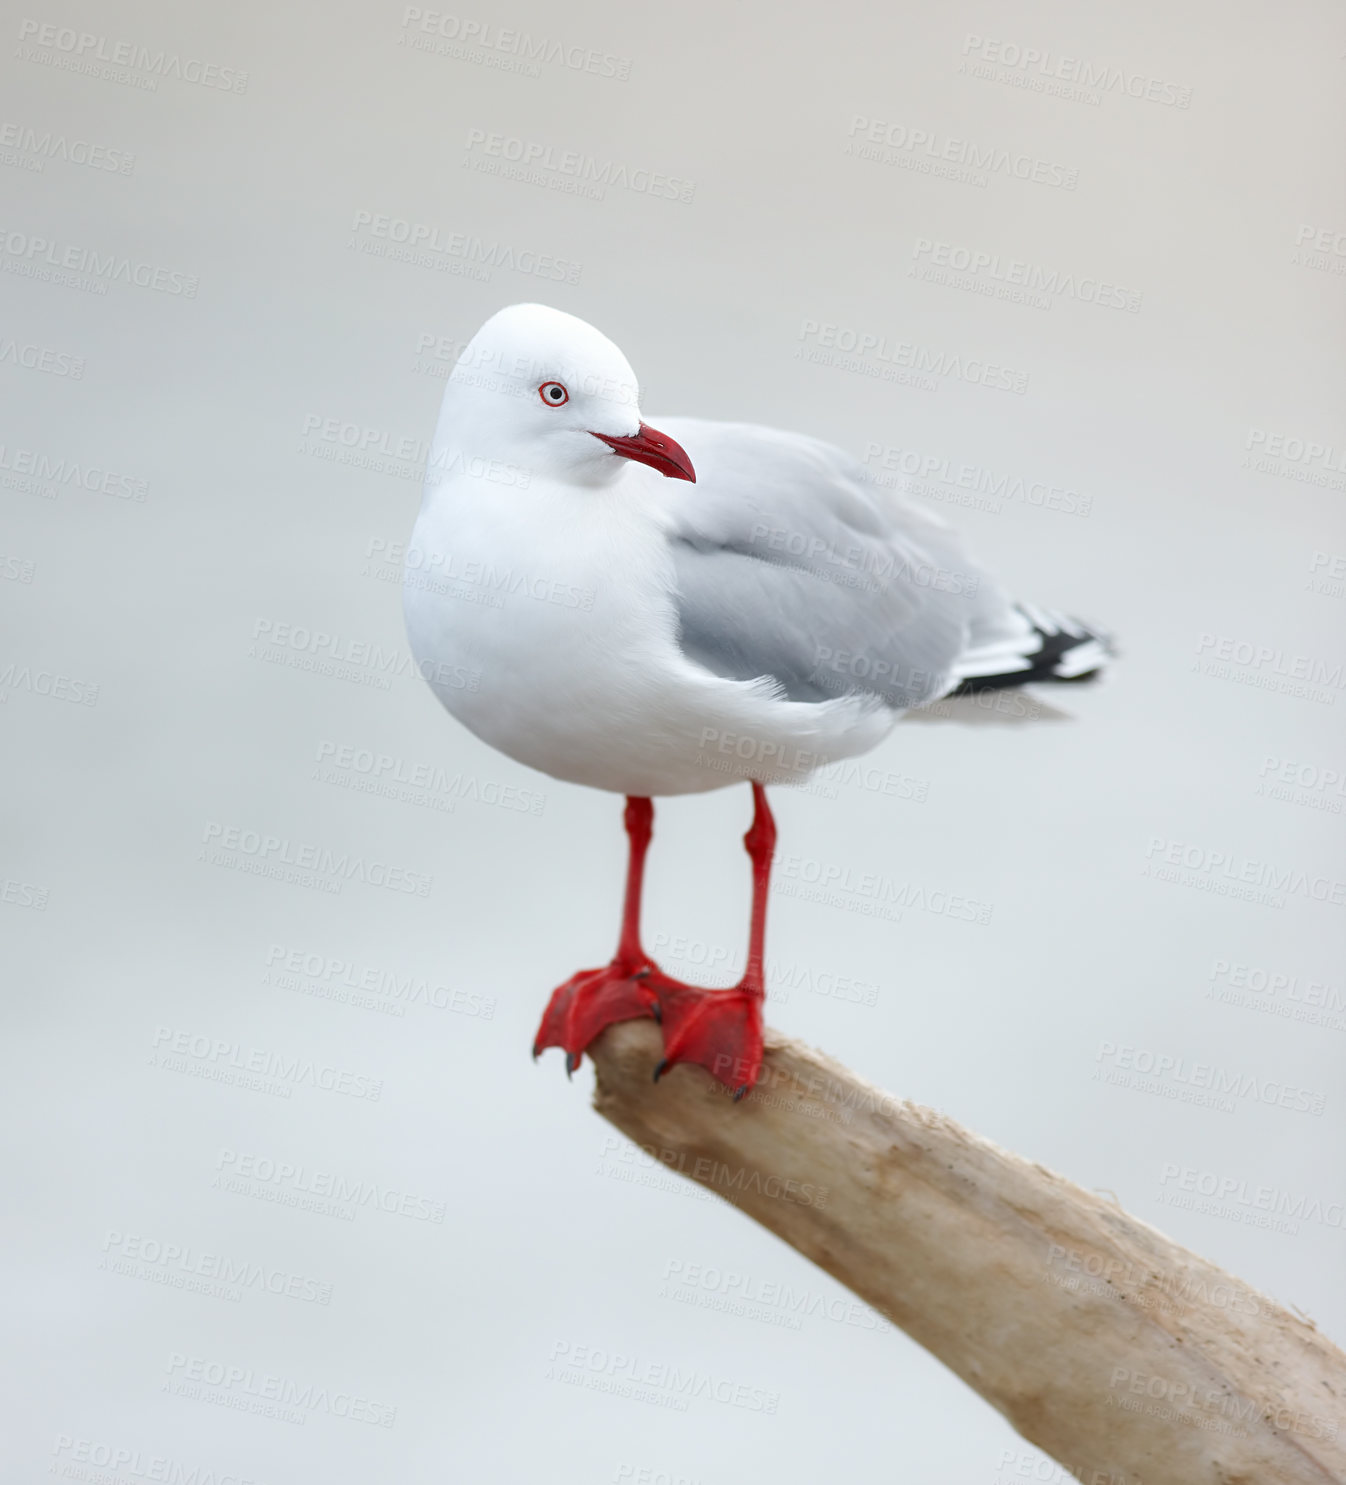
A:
<point x="792" y="565"/>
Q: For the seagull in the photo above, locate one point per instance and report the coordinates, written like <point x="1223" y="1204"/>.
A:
<point x="661" y="611"/>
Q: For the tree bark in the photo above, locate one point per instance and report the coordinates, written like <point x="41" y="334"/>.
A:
<point x="1128" y="1359"/>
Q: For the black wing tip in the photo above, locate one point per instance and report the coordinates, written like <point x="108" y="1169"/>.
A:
<point x="1057" y="637"/>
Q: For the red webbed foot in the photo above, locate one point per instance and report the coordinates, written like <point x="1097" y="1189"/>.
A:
<point x="591" y="1001"/>
<point x="720" y="1030"/>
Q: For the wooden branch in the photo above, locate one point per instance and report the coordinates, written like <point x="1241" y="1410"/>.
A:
<point x="1128" y="1359"/>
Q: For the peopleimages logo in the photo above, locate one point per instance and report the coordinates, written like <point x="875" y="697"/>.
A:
<point x="1238" y="1192"/>
<point x="366" y="771"/>
<point x="46" y="359"/>
<point x="926" y="473"/>
<point x="364" y="447"/>
<point x="1274" y="992"/>
<point x="1172" y="1076"/>
<point x="859" y="566"/>
<point x="225" y="844"/>
<point x="1297" y="450"/>
<point x="878" y="139"/>
<point x="426" y="242"/>
<point x="335" y="654"/>
<point x="507" y="155"/>
<point x="836" y="885"/>
<point x="973" y="262"/>
<point x="182" y="1266"/>
<point x="222" y="1060"/>
<point x="1104" y="77"/>
<point x="639" y="1371"/>
<point x="707" y="1285"/>
<point x="44" y="145"/>
<point x="47" y="683"/>
<point x="1269" y="668"/>
<point x="901" y="356"/>
<point x="70" y="50"/>
<point x="246" y="1174"/>
<point x="244" y="1382"/>
<point x="1227" y="873"/>
<point x="1323" y="248"/>
<point x="496" y="46"/>
<point x="36" y="253"/>
<point x="1308" y="461"/>
<point x="74" y="1456"/>
<point x="40" y="473"/>
<point x="373" y="987"/>
<point x="1302" y="783"/>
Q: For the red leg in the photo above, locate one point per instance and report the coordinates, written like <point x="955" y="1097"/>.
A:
<point x="595" y="998"/>
<point x="639" y="820"/>
<point x="722" y="1029"/>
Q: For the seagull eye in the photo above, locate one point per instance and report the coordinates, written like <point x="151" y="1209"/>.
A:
<point x="553" y="394"/>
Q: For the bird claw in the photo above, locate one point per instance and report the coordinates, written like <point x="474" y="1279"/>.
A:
<point x="720" y="1030"/>
<point x="587" y="1004"/>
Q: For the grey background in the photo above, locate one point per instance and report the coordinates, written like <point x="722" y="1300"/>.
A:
<point x="127" y="927"/>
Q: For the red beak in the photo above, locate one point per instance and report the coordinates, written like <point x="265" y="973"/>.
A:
<point x="656" y="449"/>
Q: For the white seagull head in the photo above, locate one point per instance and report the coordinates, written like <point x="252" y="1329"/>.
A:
<point x="558" y="396"/>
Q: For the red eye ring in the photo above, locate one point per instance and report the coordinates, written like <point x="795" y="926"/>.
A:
<point x="547" y="390"/>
